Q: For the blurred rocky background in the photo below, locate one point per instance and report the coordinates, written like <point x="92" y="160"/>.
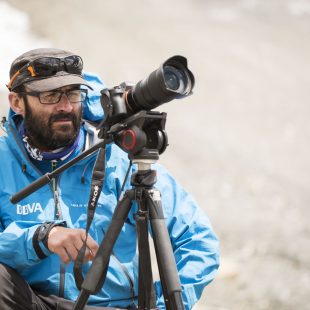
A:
<point x="240" y="144"/>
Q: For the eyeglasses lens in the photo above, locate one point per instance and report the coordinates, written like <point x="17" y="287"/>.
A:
<point x="74" y="96"/>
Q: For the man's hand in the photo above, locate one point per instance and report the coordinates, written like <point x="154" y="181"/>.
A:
<point x="66" y="242"/>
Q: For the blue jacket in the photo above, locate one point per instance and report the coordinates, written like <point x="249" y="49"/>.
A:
<point x="194" y="243"/>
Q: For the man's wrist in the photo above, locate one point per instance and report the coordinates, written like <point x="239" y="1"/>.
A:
<point x="41" y="235"/>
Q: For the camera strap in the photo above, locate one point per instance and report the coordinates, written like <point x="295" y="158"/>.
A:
<point x="96" y="187"/>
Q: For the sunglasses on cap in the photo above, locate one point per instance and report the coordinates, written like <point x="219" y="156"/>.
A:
<point x="47" y="66"/>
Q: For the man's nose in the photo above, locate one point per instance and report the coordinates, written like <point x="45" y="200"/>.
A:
<point x="64" y="104"/>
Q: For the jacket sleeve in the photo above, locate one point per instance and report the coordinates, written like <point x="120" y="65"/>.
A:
<point x="194" y="243"/>
<point x="16" y="244"/>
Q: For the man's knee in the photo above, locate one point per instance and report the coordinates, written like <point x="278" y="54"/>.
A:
<point x="14" y="293"/>
<point x="6" y="275"/>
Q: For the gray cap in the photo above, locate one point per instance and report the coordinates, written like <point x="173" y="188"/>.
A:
<point x="40" y="82"/>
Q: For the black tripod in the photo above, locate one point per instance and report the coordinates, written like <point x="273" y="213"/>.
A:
<point x="149" y="211"/>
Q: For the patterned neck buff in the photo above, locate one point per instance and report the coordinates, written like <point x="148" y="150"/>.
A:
<point x="58" y="154"/>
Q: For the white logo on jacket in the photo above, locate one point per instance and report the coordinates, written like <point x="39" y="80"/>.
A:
<point x="29" y="208"/>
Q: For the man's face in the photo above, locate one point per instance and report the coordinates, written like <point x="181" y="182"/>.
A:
<point x="52" y="126"/>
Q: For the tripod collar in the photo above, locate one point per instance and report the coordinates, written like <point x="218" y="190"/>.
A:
<point x="144" y="164"/>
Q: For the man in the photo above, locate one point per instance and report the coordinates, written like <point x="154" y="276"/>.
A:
<point x="40" y="237"/>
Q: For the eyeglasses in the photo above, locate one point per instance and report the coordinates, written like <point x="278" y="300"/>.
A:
<point x="48" y="66"/>
<point x="53" y="97"/>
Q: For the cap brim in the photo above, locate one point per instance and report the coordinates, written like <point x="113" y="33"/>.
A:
<point x="55" y="82"/>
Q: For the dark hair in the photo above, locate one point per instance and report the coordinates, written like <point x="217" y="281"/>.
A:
<point x="19" y="89"/>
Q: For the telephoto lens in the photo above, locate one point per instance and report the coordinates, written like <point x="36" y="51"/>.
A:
<point x="172" y="80"/>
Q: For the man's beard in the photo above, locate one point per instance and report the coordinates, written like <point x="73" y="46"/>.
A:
<point x="42" y="134"/>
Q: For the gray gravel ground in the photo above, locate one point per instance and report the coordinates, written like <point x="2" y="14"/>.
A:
<point x="240" y="144"/>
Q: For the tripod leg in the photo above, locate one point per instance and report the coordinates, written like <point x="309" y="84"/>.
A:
<point x="166" y="263"/>
<point x="146" y="297"/>
<point x="97" y="272"/>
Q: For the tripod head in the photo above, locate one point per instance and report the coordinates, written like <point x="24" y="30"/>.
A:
<point x="142" y="135"/>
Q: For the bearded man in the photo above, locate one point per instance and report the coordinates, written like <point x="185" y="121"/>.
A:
<point x="51" y="101"/>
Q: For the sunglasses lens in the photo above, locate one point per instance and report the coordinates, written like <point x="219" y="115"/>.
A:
<point x="46" y="66"/>
<point x="74" y="64"/>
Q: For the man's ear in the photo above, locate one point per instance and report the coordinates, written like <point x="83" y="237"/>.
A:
<point x="17" y="103"/>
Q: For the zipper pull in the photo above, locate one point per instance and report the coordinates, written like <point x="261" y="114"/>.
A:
<point x="55" y="192"/>
<point x="54" y="163"/>
<point x="57" y="209"/>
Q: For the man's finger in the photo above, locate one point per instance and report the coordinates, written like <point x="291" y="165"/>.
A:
<point x="72" y="251"/>
<point x="64" y="255"/>
<point x="92" y="245"/>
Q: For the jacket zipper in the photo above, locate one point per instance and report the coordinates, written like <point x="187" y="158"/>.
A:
<point x="58" y="216"/>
